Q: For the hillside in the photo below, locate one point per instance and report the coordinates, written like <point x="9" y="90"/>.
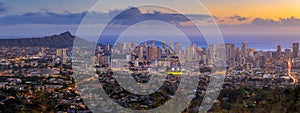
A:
<point x="62" y="40"/>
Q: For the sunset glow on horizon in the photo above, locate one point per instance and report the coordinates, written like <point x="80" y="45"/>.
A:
<point x="273" y="9"/>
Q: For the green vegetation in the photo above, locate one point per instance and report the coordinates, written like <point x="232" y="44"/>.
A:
<point x="251" y="100"/>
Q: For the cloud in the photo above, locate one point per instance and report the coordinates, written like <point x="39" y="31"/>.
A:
<point x="230" y="24"/>
<point x="247" y="25"/>
<point x="46" y="17"/>
<point x="2" y="7"/>
<point x="233" y="20"/>
<point x="281" y="22"/>
<point x="128" y="17"/>
<point x="134" y="15"/>
<point x="238" y="17"/>
<point x="42" y="18"/>
<point x="292" y="21"/>
<point x="237" y="20"/>
<point x="258" y="25"/>
<point x="261" y="21"/>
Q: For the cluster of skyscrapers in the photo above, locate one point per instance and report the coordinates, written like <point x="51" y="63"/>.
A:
<point x="237" y="57"/>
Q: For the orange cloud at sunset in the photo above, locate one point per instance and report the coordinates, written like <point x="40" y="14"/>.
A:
<point x="273" y="9"/>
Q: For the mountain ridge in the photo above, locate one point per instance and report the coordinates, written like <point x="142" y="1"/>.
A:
<point x="63" y="40"/>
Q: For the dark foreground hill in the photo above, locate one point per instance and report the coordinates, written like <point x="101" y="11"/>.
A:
<point x="63" y="40"/>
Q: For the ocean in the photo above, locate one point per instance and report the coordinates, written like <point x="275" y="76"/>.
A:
<point x="259" y="41"/>
<point x="264" y="42"/>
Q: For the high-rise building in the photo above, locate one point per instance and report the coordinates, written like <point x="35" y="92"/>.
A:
<point x="295" y="50"/>
<point x="244" y="49"/>
<point x="170" y="44"/>
<point x="58" y="52"/>
<point x="164" y="45"/>
<point x="263" y="62"/>
<point x="279" y="50"/>
<point x="251" y="52"/>
<point x="164" y="48"/>
<point x="140" y="54"/>
<point x="152" y="44"/>
<point x="191" y="52"/>
<point x="132" y="44"/>
<point x="152" y="52"/>
<point x="108" y="46"/>
<point x="159" y="52"/>
<point x="287" y="53"/>
<point x="177" y="48"/>
<point x="230" y="50"/>
<point x="145" y="44"/>
<point x="62" y="54"/>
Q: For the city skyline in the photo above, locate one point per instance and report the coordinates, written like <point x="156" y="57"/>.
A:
<point x="54" y="74"/>
<point x="177" y="56"/>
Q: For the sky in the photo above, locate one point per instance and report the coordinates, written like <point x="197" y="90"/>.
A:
<point x="273" y="9"/>
<point x="233" y="17"/>
<point x="251" y="8"/>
